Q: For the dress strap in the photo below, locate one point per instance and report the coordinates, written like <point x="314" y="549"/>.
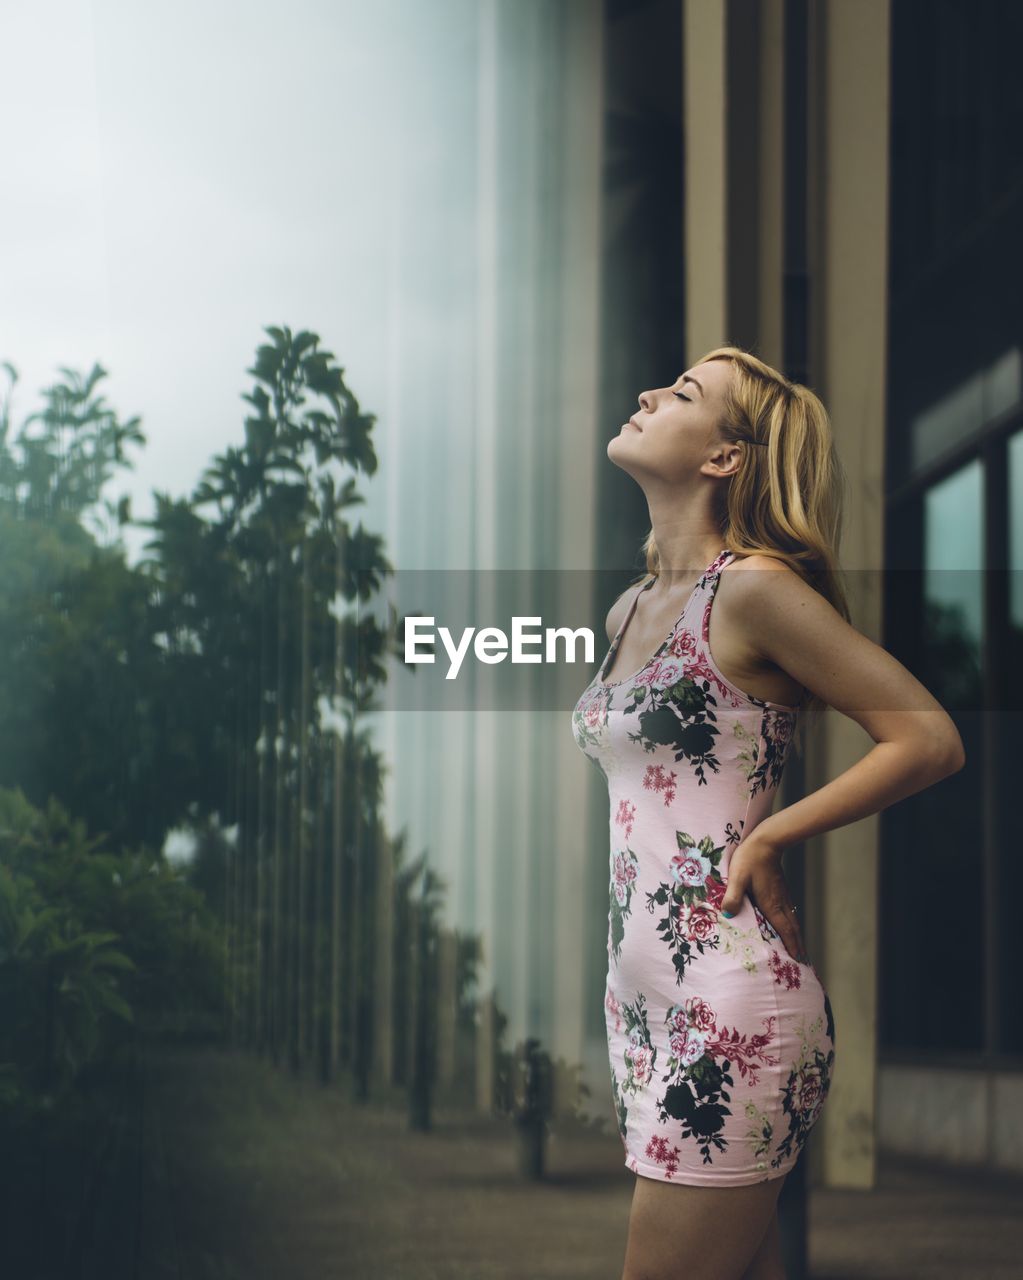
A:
<point x="621" y="630"/>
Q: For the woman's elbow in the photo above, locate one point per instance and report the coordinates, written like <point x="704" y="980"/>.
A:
<point x="952" y="757"/>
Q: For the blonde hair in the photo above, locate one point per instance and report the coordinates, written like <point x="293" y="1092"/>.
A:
<point x="786" y="499"/>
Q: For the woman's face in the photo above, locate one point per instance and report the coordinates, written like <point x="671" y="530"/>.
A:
<point x="674" y="431"/>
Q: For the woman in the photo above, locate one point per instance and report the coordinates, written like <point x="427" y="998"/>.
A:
<point x="720" y="1032"/>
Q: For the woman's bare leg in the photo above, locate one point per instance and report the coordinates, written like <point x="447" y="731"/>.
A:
<point x="684" y="1232"/>
<point x="768" y="1262"/>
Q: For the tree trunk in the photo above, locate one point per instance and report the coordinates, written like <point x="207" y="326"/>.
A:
<point x="242" y="873"/>
<point x="336" y="899"/>
<point x="279" y="1009"/>
<point x="230" y="946"/>
<point x="356" y="925"/>
<point x="319" y="866"/>
<point x="264" y="732"/>
<point x="303" y="956"/>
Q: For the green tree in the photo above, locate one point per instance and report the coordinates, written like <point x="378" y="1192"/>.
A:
<point x="282" y="500"/>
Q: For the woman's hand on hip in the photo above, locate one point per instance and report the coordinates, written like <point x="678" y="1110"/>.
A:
<point x="755" y="868"/>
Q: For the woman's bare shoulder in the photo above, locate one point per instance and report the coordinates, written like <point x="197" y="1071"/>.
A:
<point x="799" y="630"/>
<point x="616" y="614"/>
<point x="756" y="560"/>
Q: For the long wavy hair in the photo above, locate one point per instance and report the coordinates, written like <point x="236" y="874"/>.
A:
<point x="787" y="498"/>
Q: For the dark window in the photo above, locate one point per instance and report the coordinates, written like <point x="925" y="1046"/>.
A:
<point x="950" y="872"/>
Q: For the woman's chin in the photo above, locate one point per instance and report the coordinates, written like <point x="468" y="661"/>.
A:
<point x="618" y="451"/>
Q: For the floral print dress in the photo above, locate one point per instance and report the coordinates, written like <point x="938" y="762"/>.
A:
<point x="721" y="1045"/>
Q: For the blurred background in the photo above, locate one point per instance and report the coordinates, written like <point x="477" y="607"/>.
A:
<point x="294" y="979"/>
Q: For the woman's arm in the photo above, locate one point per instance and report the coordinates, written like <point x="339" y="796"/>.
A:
<point x="917" y="743"/>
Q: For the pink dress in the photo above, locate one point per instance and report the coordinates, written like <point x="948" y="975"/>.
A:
<point x="721" y="1044"/>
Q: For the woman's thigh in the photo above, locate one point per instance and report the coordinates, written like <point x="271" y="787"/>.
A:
<point x="682" y="1232"/>
<point x="768" y="1263"/>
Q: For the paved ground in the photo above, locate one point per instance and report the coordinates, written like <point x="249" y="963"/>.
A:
<point x="248" y="1172"/>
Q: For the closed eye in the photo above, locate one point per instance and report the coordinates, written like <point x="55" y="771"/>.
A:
<point x="682" y="397"/>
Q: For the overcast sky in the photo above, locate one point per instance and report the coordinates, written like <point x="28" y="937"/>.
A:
<point x="177" y="175"/>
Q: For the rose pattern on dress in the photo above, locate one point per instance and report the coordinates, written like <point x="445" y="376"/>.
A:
<point x="775" y="735"/>
<point x="809" y="1080"/>
<point x="699" y="1063"/>
<point x="624" y="870"/>
<point x="640" y="1054"/>
<point x="691" y="897"/>
<point x="589" y="725"/>
<point x="621" y="1110"/>
<point x="673" y="713"/>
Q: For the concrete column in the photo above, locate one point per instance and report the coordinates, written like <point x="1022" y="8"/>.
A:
<point x="734" y="175"/>
<point x="770" y="173"/>
<point x="704" y="83"/>
<point x="734" y="279"/>
<point x="848" y="111"/>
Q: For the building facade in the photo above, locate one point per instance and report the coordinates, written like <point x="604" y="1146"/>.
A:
<point x="835" y="186"/>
